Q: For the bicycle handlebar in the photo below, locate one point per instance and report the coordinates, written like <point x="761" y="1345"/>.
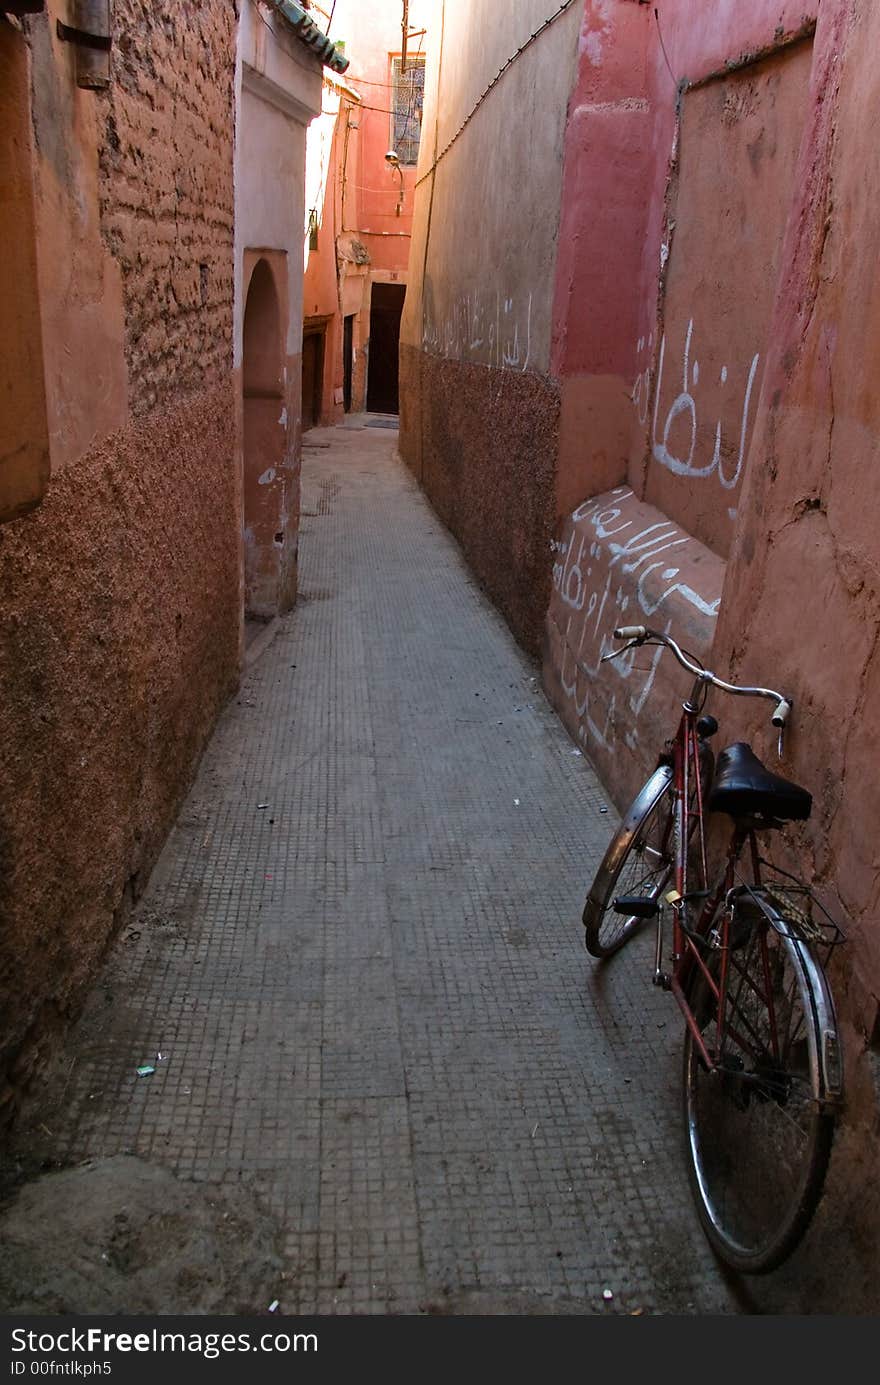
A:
<point x="640" y="634"/>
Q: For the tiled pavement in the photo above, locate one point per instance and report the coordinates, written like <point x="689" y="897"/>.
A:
<point x="361" y="959"/>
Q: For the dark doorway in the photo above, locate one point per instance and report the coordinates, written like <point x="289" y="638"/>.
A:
<point x="312" y="375"/>
<point x="386" y="306"/>
<point x="347" y="360"/>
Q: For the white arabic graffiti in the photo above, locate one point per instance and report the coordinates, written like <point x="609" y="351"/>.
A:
<point x="641" y="395"/>
<point x="684" y="406"/>
<point x="610" y="561"/>
<point x="485" y="329"/>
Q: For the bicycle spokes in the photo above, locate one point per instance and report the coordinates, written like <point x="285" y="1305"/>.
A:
<point x="758" y="1140"/>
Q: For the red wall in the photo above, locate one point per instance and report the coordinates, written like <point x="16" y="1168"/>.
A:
<point x="618" y="160"/>
<point x="362" y="193"/>
<point x="801" y="588"/>
<point x="386" y="234"/>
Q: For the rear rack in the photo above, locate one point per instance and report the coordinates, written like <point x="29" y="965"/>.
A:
<point x="793" y="903"/>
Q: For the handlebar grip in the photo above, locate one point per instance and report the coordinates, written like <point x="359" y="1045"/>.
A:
<point x="781" y="713"/>
<point x="631" y="632"/>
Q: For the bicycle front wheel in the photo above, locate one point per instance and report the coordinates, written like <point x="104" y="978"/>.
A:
<point x="637" y="863"/>
<point x="758" y="1137"/>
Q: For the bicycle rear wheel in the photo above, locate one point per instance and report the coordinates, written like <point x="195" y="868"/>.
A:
<point x="758" y="1137"/>
<point x="637" y="863"/>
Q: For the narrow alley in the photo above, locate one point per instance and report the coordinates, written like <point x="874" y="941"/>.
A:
<point x="358" y="970"/>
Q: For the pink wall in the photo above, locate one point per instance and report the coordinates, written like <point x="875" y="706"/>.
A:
<point x="805" y="564"/>
<point x="376" y="37"/>
<point x="700" y="39"/>
<point x="618" y="156"/>
<point x="801" y="589"/>
<point x="608" y="148"/>
<point x="796" y="604"/>
<point x="730" y="196"/>
<point x="362" y="191"/>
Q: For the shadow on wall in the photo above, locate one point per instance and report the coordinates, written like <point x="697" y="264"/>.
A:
<point x="265" y="446"/>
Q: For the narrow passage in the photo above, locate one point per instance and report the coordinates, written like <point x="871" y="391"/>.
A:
<point x="360" y="958"/>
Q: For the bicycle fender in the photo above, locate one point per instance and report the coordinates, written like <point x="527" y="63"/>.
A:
<point x="651" y="791"/>
<point x="823" y="1039"/>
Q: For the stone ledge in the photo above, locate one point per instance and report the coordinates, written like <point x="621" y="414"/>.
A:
<point x="617" y="562"/>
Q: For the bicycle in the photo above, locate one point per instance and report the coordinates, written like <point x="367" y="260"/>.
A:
<point x="762" y="1070"/>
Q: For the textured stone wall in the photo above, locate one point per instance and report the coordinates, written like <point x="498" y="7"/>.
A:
<point x="166" y="193"/>
<point x="120" y="593"/>
<point x="483" y="445"/>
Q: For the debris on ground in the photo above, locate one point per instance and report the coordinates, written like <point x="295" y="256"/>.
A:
<point x="122" y="1235"/>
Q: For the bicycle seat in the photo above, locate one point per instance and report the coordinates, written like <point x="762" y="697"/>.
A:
<point x="744" y="788"/>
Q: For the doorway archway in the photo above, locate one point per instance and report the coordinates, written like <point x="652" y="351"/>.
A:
<point x="386" y="308"/>
<point x="268" y="588"/>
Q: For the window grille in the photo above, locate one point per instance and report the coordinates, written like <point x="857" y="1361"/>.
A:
<point x="408" y="93"/>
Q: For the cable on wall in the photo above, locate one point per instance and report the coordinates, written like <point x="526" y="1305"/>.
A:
<point x="566" y="5"/>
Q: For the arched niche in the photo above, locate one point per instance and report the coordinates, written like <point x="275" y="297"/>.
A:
<point x="266" y="484"/>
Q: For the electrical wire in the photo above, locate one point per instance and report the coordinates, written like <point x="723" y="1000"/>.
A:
<point x="663" y="46"/>
<point x="360" y="187"/>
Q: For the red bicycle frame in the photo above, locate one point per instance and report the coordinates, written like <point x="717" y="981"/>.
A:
<point x="688" y="943"/>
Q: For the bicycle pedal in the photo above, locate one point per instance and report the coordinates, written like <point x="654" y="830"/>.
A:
<point x="636" y="906"/>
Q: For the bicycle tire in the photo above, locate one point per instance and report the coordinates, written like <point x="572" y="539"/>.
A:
<point x="646" y="828"/>
<point x="757" y="1133"/>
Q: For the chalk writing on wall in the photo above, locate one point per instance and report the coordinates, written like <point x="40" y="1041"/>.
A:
<point x="683" y="408"/>
<point x="613" y="568"/>
<point x="484" y="328"/>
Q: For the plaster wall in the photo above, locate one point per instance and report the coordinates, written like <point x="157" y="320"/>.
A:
<point x="699" y="38"/>
<point x="607" y="171"/>
<point x="498" y="186"/>
<point x="325" y="147"/>
<point x="81" y="283"/>
<point x="620" y="222"/>
<point x="372" y="34"/>
<point x="739" y="141"/>
<point x="24" y="440"/>
<point x="479" y="409"/>
<point x="805" y="564"/>
<point x="677" y="195"/>
<point x="280" y="92"/>
<point x="797" y="600"/>
<point x="278" y="88"/>
<point x="362" y="202"/>
<point x="120" y="630"/>
<point x="323" y="195"/>
<point x="619" y="561"/>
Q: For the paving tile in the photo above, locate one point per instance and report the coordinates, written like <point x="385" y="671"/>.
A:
<point x="361" y="959"/>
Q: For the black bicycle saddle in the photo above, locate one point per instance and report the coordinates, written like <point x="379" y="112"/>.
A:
<point x="744" y="788"/>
